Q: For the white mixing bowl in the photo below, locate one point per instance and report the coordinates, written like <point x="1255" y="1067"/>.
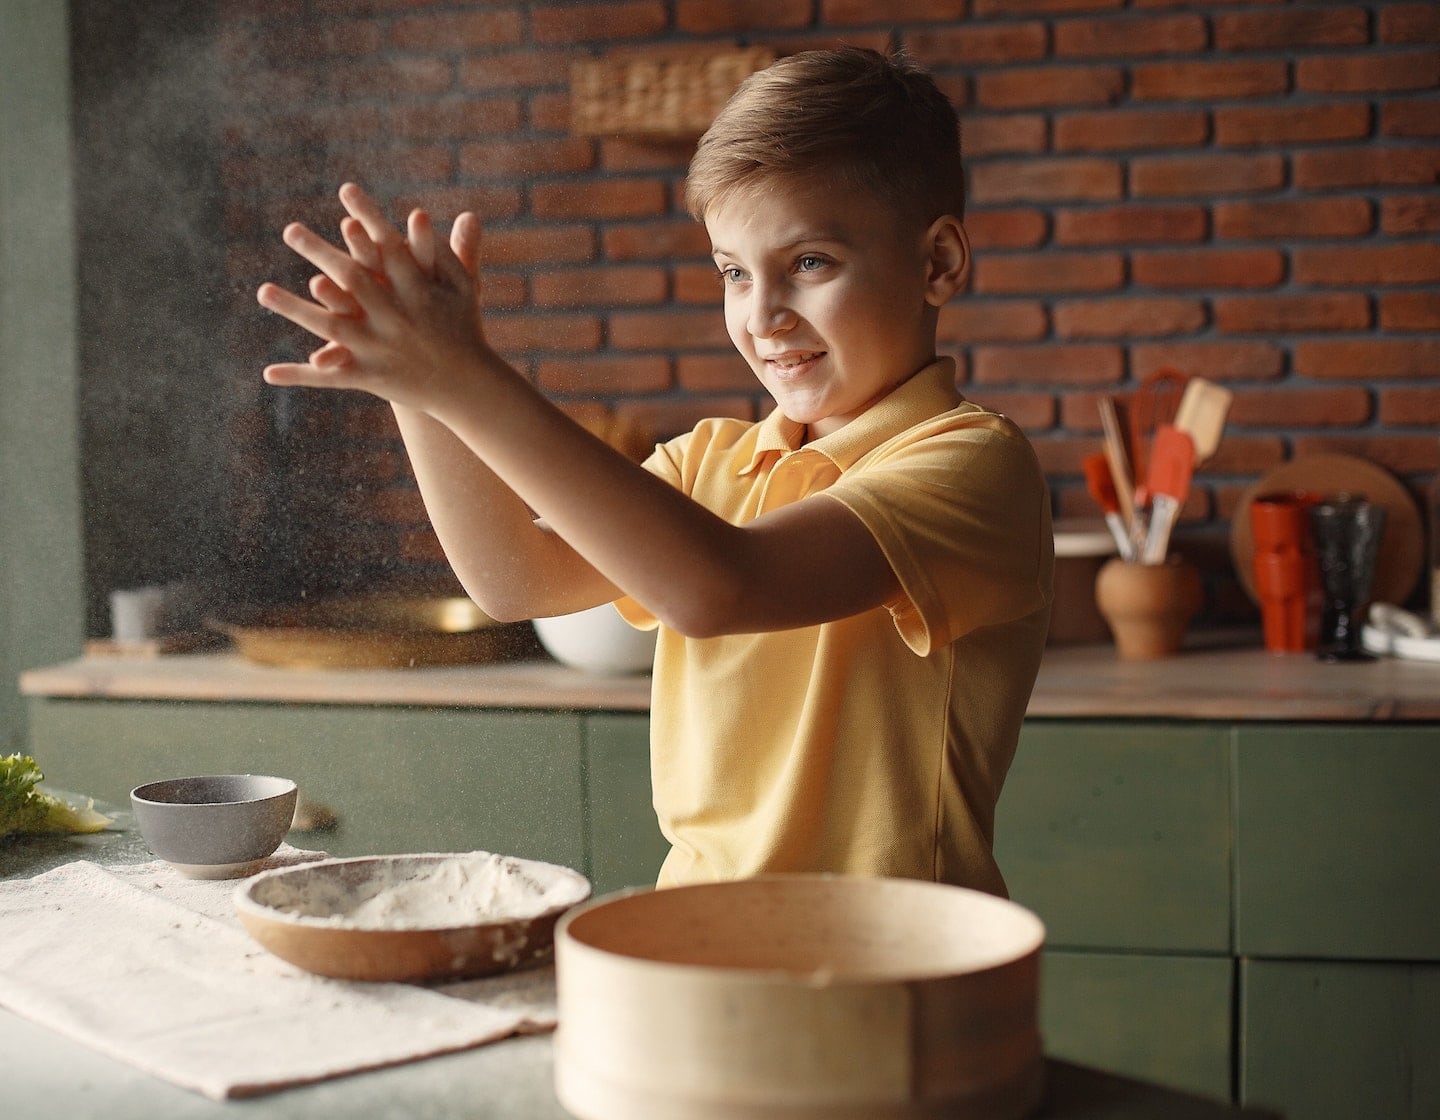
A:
<point x="597" y="640"/>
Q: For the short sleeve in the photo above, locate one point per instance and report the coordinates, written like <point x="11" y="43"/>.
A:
<point x="961" y="511"/>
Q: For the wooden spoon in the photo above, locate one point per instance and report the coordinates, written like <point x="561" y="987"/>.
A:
<point x="1118" y="460"/>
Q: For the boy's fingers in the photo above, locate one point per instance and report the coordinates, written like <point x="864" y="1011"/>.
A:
<point x="465" y="241"/>
<point x="368" y="213"/>
<point x="361" y="247"/>
<point x="456" y="262"/>
<point x="392" y="256"/>
<point x="317" y="320"/>
<point x="329" y="294"/>
<point x="291" y="373"/>
<point x="332" y="356"/>
<point x="422" y="241"/>
<point x="325" y="368"/>
<point x="333" y="262"/>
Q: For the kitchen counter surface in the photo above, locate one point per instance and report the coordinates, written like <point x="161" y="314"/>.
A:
<point x="227" y="676"/>
<point x="1217" y="679"/>
<point x="509" y="1080"/>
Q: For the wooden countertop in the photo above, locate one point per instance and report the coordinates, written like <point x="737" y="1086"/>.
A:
<point x="1234" y="682"/>
<point x="1219" y="679"/>
<point x="227" y="676"/>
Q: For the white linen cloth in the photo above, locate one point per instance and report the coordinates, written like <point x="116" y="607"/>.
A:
<point x="155" y="970"/>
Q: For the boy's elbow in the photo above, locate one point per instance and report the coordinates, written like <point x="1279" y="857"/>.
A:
<point x="713" y="613"/>
<point x="694" y="625"/>
<point x="499" y="607"/>
<point x="505" y="613"/>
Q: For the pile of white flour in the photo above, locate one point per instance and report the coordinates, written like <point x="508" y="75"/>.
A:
<point x="420" y="892"/>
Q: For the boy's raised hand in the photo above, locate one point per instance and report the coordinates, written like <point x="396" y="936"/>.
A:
<point x="398" y="315"/>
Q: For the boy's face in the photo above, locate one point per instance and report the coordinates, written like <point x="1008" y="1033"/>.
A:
<point x="828" y="296"/>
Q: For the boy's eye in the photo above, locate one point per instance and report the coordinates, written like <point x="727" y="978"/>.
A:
<point x="732" y="275"/>
<point x="810" y="263"/>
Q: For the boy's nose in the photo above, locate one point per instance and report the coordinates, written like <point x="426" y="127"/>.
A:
<point x="770" y="313"/>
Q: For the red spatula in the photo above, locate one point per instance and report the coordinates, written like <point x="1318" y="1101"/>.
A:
<point x="1101" y="485"/>
<point x="1172" y="462"/>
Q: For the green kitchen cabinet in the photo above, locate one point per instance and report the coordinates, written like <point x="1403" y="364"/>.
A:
<point x="1161" y="1018"/>
<point x="397" y="779"/>
<point x="1336" y="1040"/>
<point x="626" y="845"/>
<point x="1118" y="834"/>
<point x="1337" y="842"/>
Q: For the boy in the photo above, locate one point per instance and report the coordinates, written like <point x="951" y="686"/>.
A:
<point x="853" y="594"/>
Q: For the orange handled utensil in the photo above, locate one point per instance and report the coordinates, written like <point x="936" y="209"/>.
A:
<point x="1101" y="485"/>
<point x="1172" y="463"/>
<point x="1155" y="402"/>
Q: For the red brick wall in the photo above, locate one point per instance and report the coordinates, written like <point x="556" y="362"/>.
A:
<point x="1247" y="191"/>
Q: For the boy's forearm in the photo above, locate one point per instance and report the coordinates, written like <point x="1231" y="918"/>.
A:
<point x="511" y="567"/>
<point x="643" y="536"/>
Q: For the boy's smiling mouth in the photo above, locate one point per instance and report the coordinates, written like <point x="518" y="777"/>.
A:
<point x="793" y="362"/>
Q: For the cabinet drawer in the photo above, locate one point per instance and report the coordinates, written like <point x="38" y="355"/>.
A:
<point x="1118" y="834"/>
<point x="1327" y="1039"/>
<point x="1165" y="1019"/>
<point x="399" y="779"/>
<point x="1337" y="842"/>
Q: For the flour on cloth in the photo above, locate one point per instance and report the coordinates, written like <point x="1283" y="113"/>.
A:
<point x="153" y="969"/>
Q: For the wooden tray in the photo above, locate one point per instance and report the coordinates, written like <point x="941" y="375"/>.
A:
<point x="374" y="632"/>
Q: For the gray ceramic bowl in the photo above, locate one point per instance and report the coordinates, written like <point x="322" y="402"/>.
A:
<point x="218" y="826"/>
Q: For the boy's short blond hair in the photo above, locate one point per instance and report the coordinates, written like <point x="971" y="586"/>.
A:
<point x="876" y="122"/>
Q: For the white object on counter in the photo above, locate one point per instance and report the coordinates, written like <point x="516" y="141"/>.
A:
<point x="1399" y="633"/>
<point x="135" y="613"/>
<point x="597" y="640"/>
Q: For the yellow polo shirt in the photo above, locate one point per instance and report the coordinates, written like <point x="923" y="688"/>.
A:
<point x="875" y="744"/>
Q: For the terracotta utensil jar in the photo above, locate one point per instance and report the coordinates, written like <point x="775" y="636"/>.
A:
<point x="1148" y="606"/>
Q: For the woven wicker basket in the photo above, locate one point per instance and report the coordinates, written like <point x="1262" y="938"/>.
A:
<point x="673" y="96"/>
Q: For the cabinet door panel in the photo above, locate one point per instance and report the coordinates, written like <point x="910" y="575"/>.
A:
<point x="1165" y="1019"/>
<point x="1327" y="1039"/>
<point x="1337" y="841"/>
<point x="626" y="845"/>
<point x="1118" y="834"/>
<point x="400" y="780"/>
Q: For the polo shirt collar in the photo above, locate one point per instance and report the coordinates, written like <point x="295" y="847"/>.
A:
<point x="928" y="393"/>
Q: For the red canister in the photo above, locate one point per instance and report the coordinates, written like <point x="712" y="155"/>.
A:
<point x="1286" y="577"/>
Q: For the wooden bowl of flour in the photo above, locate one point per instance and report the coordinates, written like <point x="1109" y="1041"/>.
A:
<point x="799" y="997"/>
<point x="439" y="916"/>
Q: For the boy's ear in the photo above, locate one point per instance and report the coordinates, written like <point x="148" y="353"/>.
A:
<point x="949" y="250"/>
